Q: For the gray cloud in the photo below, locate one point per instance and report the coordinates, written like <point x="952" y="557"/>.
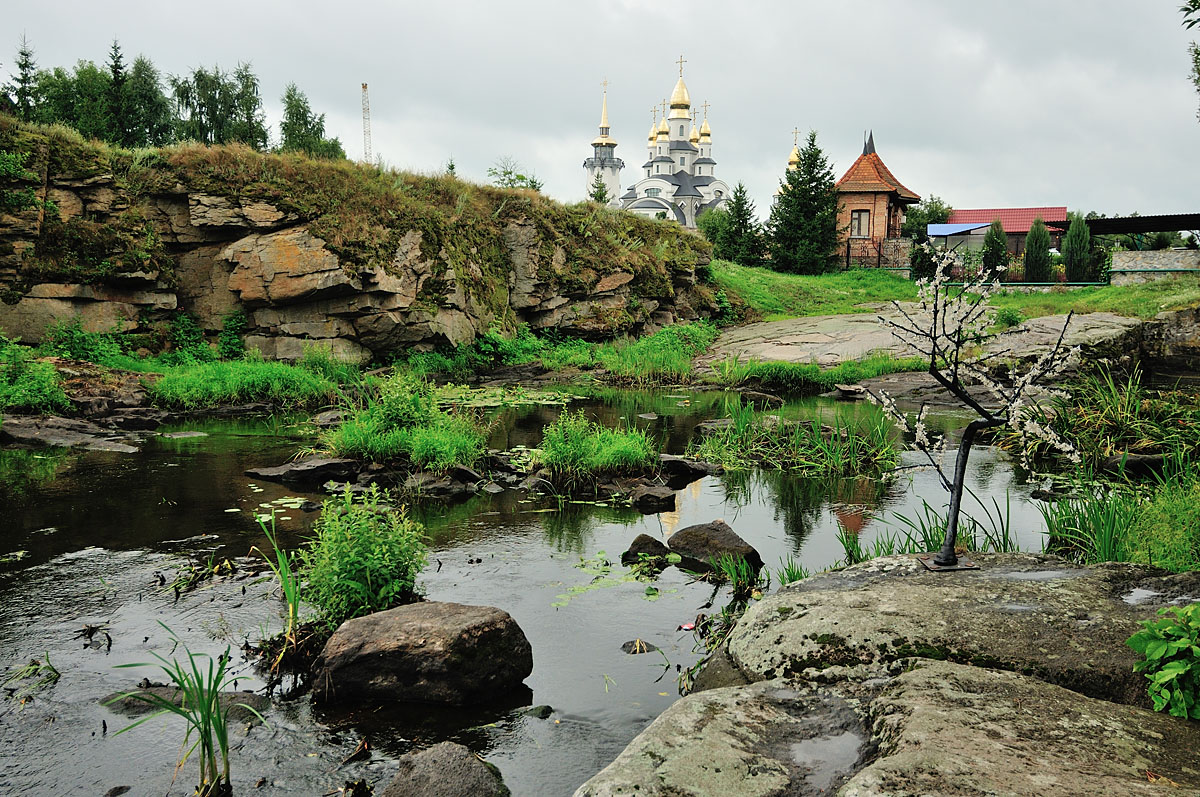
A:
<point x="1018" y="103"/>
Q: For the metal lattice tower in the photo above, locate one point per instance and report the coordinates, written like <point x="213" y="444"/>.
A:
<point x="366" y="125"/>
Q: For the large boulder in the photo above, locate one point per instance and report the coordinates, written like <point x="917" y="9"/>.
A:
<point x="700" y="544"/>
<point x="752" y="741"/>
<point x="309" y="471"/>
<point x="1029" y="613"/>
<point x="445" y="770"/>
<point x="425" y="653"/>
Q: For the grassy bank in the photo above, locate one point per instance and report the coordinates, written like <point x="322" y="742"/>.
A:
<point x="208" y="385"/>
<point x="27" y="385"/>
<point x="774" y="295"/>
<point x="808" y="378"/>
<point x="664" y="357"/>
<point x="575" y="448"/>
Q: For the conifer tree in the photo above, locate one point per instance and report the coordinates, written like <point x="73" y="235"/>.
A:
<point x="599" y="192"/>
<point x="150" y="120"/>
<point x="1037" y="253"/>
<point x="118" y="101"/>
<point x="24" y="86"/>
<point x="304" y="131"/>
<point x="803" y="232"/>
<point x="1076" y="250"/>
<point x="744" y="234"/>
<point x="995" y="251"/>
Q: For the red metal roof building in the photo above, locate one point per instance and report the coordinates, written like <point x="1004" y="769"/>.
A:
<point x="1015" y="220"/>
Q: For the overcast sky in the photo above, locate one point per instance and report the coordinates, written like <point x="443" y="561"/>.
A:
<point x="1083" y="103"/>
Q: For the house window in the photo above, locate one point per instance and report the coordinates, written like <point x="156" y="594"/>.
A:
<point x="860" y="224"/>
<point x="682" y="161"/>
<point x="653" y="191"/>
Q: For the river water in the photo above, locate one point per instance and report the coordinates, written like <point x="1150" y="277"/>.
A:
<point x="87" y="535"/>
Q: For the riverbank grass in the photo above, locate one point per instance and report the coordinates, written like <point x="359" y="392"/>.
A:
<point x="808" y="378"/>
<point x="27" y="385"/>
<point x="208" y="385"/>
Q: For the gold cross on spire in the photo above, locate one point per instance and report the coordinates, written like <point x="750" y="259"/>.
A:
<point x="705" y="107"/>
<point x="654" y="113"/>
<point x="796" y="137"/>
<point x="681" y="62"/>
<point x="664" y="107"/>
<point x="604" y="83"/>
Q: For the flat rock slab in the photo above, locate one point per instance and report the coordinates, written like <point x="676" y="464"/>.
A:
<point x="426" y="652"/>
<point x="750" y="741"/>
<point x="42" y="431"/>
<point x="310" y="470"/>
<point x="1027" y="613"/>
<point x="445" y="770"/>
<point x="833" y="339"/>
<point x="950" y="729"/>
<point x="134" y="704"/>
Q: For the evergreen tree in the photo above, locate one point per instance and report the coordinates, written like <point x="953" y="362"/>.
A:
<point x="1037" y="253"/>
<point x="714" y="225"/>
<point x="451" y="169"/>
<point x="78" y="99"/>
<point x="24" y="86"/>
<point x="150" y="120"/>
<point x="304" y="131"/>
<point x="1076" y="250"/>
<point x="744" y="240"/>
<point x="118" y="99"/>
<point x="599" y="192"/>
<point x="995" y="251"/>
<point x="803" y="232"/>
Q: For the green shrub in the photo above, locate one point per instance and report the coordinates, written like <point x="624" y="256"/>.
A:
<point x="364" y="557"/>
<point x="230" y="345"/>
<point x="662" y="357"/>
<point x="212" y="384"/>
<point x="1008" y="317"/>
<point x="1171" y="646"/>
<point x="189" y="345"/>
<point x="574" y="446"/>
<point x="26" y="385"/>
<point x="68" y="339"/>
<point x="322" y="362"/>
<point x="405" y="400"/>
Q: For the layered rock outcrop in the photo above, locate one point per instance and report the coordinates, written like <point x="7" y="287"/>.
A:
<point x="123" y="246"/>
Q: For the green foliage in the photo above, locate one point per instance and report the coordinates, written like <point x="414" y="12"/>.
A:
<point x="921" y="263"/>
<point x="69" y="339"/>
<point x="230" y="345"/>
<point x="23" y="89"/>
<point x="1171" y="647"/>
<point x="752" y="439"/>
<point x="321" y="361"/>
<point x="205" y="715"/>
<point x="1076" y="251"/>
<point x="803" y="235"/>
<point x="662" y="357"/>
<point x="188" y="344"/>
<point x="574" y="447"/>
<point x="931" y="210"/>
<point x="215" y="107"/>
<point x="364" y="557"/>
<point x="283" y="565"/>
<point x="713" y="225"/>
<point x="12" y="170"/>
<point x="1008" y="317"/>
<point x="508" y="173"/>
<point x="599" y="191"/>
<point x="995" y="251"/>
<point x="741" y="239"/>
<point x="790" y="571"/>
<point x="1037" y="253"/>
<point x="28" y="386"/>
<point x="211" y="384"/>
<point x="304" y="131"/>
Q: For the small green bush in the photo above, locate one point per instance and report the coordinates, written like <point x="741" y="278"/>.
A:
<point x="364" y="557"/>
<point x="322" y="362"/>
<point x="230" y="345"/>
<point x="1008" y="317"/>
<point x="1171" y="645"/>
<point x="26" y="385"/>
<point x="189" y="345"/>
<point x="68" y="339"/>
<point x="574" y="446"/>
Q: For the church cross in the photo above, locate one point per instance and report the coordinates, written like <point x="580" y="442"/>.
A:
<point x="796" y="137"/>
<point x="664" y="107"/>
<point x="604" y="83"/>
<point x="705" y="107"/>
<point x="681" y="62"/>
<point x="654" y="113"/>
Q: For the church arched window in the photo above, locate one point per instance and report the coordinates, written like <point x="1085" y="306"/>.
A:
<point x="681" y="130"/>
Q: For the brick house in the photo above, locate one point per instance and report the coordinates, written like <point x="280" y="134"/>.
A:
<point x="872" y="211"/>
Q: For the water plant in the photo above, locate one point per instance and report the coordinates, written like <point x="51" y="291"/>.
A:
<point x="753" y="439"/>
<point x="201" y="707"/>
<point x="364" y="557"/>
<point x="790" y="571"/>
<point x="575" y="447"/>
<point x="282" y="564"/>
<point x="1171" y="647"/>
<point x="23" y="682"/>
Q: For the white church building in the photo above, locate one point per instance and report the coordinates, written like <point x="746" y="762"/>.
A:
<point x="678" y="179"/>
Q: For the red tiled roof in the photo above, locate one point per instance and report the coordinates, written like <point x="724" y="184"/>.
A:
<point x="1013" y="219"/>
<point x="869" y="175"/>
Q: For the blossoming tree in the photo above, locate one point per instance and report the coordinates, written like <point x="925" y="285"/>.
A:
<point x="949" y="327"/>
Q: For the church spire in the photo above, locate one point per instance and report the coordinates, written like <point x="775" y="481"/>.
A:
<point x="869" y="144"/>
<point x="604" y="139"/>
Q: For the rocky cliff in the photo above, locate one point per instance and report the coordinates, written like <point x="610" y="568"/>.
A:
<point x="360" y="259"/>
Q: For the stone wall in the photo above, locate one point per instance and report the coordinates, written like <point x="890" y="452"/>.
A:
<point x="1133" y="267"/>
<point x="227" y="253"/>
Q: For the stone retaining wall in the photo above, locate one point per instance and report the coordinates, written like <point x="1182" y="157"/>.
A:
<point x="1131" y="267"/>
